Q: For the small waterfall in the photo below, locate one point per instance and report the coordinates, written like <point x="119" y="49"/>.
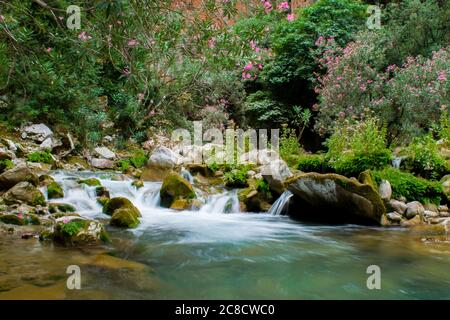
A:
<point x="280" y="206"/>
<point x="227" y="202"/>
<point x="396" y="162"/>
<point x="187" y="175"/>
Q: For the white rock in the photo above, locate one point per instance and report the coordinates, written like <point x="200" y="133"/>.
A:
<point x="385" y="190"/>
<point x="46" y="144"/>
<point x="104" y="153"/>
<point x="250" y="174"/>
<point x="11" y="145"/>
<point x="443" y="208"/>
<point x="276" y="173"/>
<point x="430" y="214"/>
<point x="414" y="208"/>
<point x="165" y="158"/>
<point x="102" y="163"/>
<point x="37" y="132"/>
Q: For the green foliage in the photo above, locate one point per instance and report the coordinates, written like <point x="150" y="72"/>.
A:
<point x="71" y="228"/>
<point x="353" y="149"/>
<point x="411" y="187"/>
<point x="313" y="163"/>
<point x="6" y="164"/>
<point x="236" y="176"/>
<point x="123" y="165"/>
<point x="424" y="158"/>
<point x="289" y="145"/>
<point x="41" y="157"/>
<point x="139" y="159"/>
<point x="263" y="187"/>
<point x="213" y="167"/>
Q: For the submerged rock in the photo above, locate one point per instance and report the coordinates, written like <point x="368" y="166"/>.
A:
<point x="20" y="173"/>
<point x="334" y="198"/>
<point x="24" y="192"/>
<point x="175" y="187"/>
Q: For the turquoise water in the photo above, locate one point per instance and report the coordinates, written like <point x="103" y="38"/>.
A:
<point x="201" y="255"/>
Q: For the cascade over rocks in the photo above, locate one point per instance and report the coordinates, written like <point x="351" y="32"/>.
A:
<point x="174" y="188"/>
<point x="335" y="199"/>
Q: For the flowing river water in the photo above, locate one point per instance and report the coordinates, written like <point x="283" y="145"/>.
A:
<point x="217" y="252"/>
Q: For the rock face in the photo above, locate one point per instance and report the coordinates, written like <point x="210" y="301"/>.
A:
<point x="20" y="173"/>
<point x="75" y="230"/>
<point x="37" y="132"/>
<point x="335" y="199"/>
<point x="24" y="192"/>
<point x="174" y="188"/>
<point x="398" y="206"/>
<point x="275" y="173"/>
<point x="124" y="213"/>
<point x="385" y="190"/>
<point x="164" y="158"/>
<point x="104" y="153"/>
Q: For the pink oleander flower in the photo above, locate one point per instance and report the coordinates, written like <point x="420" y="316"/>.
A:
<point x="132" y="42"/>
<point x="442" y="76"/>
<point x="2" y="18"/>
<point x="84" y="36"/>
<point x="212" y="43"/>
<point x="248" y="67"/>
<point x="283" y="6"/>
<point x="141" y="96"/>
<point x="290" y="17"/>
<point x="267" y="6"/>
<point x="20" y="216"/>
<point x="66" y="220"/>
<point x="49" y="50"/>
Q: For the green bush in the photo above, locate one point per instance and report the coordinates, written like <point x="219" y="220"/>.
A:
<point x="6" y="164"/>
<point x="313" y="163"/>
<point x="289" y="144"/>
<point x="236" y="176"/>
<point x="71" y="228"/>
<point x="411" y="187"/>
<point x="263" y="187"/>
<point x="353" y="149"/>
<point x="424" y="158"/>
<point x="139" y="159"/>
<point x="41" y="157"/>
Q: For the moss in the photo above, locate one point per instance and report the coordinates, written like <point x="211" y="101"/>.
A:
<point x="38" y="199"/>
<point x="102" y="200"/>
<point x="124" y="218"/>
<point x="45" y="180"/>
<point x="175" y="187"/>
<point x="119" y="203"/>
<point x="40" y="157"/>
<point x="138" y="184"/>
<point x="6" y="164"/>
<point x="411" y="187"/>
<point x="92" y="182"/>
<point x="61" y="207"/>
<point x="54" y="191"/>
<point x="101" y="191"/>
<point x="72" y="228"/>
<point x="366" y="177"/>
<point x="12" y="219"/>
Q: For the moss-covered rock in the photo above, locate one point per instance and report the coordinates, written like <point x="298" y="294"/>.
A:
<point x="12" y="219"/>
<point x="61" y="207"/>
<point x="254" y="200"/>
<point x="20" y="173"/>
<point x="45" y="180"/>
<point x="102" y="192"/>
<point x="138" y="184"/>
<point x="91" y="182"/>
<point x="54" y="191"/>
<point x="24" y="192"/>
<point x="73" y="230"/>
<point x="119" y="203"/>
<point x="334" y="198"/>
<point x="175" y="187"/>
<point x="124" y="218"/>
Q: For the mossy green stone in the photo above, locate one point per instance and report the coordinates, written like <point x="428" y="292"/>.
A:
<point x="12" y="219"/>
<point x="54" y="191"/>
<point x="124" y="218"/>
<point x="119" y="203"/>
<point x="92" y="182"/>
<point x="175" y="187"/>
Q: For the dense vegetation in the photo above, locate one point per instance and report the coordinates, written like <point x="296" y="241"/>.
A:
<point x="140" y="67"/>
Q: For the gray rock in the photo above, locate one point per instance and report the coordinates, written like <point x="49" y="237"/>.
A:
<point x="394" y="216"/>
<point x="414" y="208"/>
<point x="47" y="144"/>
<point x="430" y="214"/>
<point x="37" y="132"/>
<point x="385" y="190"/>
<point x="334" y="198"/>
<point x="398" y="206"/>
<point x="19" y="173"/>
<point x="443" y="208"/>
<point x="24" y="192"/>
<point x="102" y="163"/>
<point x="104" y="153"/>
<point x="164" y="158"/>
<point x="445" y="181"/>
<point x="275" y="174"/>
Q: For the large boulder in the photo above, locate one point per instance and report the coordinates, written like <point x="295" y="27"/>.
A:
<point x="334" y="198"/>
<point x="175" y="187"/>
<point x="24" y="192"/>
<point x="275" y="173"/>
<point x="102" y="163"/>
<point x="75" y="230"/>
<point x="164" y="158"/>
<point x="124" y="213"/>
<point x="414" y="208"/>
<point x="54" y="191"/>
<point x="37" y="132"/>
<point x="20" y="173"/>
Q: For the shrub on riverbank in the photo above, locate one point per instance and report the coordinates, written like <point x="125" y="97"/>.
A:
<point x="411" y="187"/>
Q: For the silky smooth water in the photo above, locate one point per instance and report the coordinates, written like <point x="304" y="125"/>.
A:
<point x="208" y="254"/>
